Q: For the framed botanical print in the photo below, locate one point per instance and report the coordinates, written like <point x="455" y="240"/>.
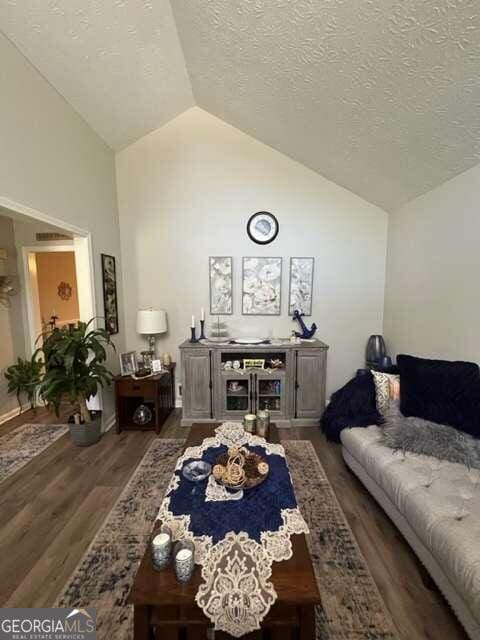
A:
<point x="301" y="286"/>
<point x="109" y="280"/>
<point x="221" y="285"/>
<point x="261" y="286"/>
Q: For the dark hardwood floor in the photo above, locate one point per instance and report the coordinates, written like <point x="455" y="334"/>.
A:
<point x="51" y="509"/>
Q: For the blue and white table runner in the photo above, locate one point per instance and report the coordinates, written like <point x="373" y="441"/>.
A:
<point x="237" y="536"/>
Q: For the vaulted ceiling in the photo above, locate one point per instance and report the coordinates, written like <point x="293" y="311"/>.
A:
<point x="380" y="96"/>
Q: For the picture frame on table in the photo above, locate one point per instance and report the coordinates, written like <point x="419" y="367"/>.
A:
<point x="157" y="365"/>
<point x="128" y="363"/>
<point x="110" y="300"/>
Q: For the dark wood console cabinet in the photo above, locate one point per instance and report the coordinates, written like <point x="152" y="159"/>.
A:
<point x="214" y="390"/>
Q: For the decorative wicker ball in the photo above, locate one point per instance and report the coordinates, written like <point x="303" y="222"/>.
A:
<point x="232" y="452"/>
<point x="262" y="468"/>
<point x="218" y="471"/>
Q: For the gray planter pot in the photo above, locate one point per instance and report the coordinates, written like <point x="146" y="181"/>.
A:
<point x="86" y="434"/>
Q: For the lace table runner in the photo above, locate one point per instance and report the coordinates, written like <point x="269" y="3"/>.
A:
<point x="237" y="536"/>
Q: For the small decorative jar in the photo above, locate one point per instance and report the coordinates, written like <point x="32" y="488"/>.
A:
<point x="249" y="422"/>
<point x="263" y="423"/>
<point x="167" y="359"/>
<point x="161" y="547"/>
<point x="184" y="560"/>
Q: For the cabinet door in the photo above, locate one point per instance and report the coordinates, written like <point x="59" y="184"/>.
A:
<point x="271" y="393"/>
<point x="310" y="369"/>
<point x="197" y="392"/>
<point x="235" y="395"/>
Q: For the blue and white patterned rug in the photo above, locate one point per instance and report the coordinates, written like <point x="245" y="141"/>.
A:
<point x="352" y="609"/>
<point x="21" y="445"/>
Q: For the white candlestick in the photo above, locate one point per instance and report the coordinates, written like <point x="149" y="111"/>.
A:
<point x="184" y="554"/>
<point x="202" y="313"/>
<point x="193" y="322"/>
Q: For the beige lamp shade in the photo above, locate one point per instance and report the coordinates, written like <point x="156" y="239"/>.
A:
<point x="151" y="321"/>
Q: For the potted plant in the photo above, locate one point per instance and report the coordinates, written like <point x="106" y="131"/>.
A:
<point x="23" y="378"/>
<point x="74" y="369"/>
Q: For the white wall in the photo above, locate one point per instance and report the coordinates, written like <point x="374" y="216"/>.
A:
<point x="53" y="162"/>
<point x="186" y="191"/>
<point x="11" y="324"/>
<point x="432" y="301"/>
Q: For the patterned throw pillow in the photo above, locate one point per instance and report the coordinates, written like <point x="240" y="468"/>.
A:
<point x="387" y="390"/>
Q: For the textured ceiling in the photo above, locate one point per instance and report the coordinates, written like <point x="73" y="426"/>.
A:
<point x="380" y="96"/>
<point x="119" y="63"/>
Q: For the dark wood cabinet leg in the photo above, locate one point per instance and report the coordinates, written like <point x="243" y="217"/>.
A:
<point x="157" y="412"/>
<point x="118" y="412"/>
<point x="307" y="622"/>
<point x="141" y="623"/>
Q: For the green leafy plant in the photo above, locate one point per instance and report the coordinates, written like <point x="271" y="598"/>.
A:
<point x="74" y="363"/>
<point x="23" y="378"/>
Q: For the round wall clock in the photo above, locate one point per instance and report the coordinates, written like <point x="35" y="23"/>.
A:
<point x="262" y="227"/>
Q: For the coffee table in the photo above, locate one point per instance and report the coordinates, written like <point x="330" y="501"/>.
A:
<point x="166" y="609"/>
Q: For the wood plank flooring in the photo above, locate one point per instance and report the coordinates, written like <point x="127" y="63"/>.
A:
<point x="51" y="509"/>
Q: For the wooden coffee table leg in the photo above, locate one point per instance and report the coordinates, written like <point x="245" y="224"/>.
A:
<point x="307" y="622"/>
<point x="141" y="623"/>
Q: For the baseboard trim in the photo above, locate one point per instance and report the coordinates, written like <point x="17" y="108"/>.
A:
<point x="108" y="423"/>
<point x="13" y="413"/>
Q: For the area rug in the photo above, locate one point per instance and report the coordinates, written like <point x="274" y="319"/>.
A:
<point x="352" y="608"/>
<point x="19" y="446"/>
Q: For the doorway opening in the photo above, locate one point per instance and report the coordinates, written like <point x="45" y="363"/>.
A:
<point x="53" y="288"/>
<point x="46" y="267"/>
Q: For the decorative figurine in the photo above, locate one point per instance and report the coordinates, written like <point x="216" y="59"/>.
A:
<point x="306" y="333"/>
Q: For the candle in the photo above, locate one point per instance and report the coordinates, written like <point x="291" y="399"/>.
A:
<point x="202" y="314"/>
<point x="184" y="554"/>
<point x="161" y="548"/>
<point x="160" y="540"/>
<point x="184" y="560"/>
<point x="193" y="322"/>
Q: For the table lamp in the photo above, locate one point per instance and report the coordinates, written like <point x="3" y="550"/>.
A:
<point x="151" y="322"/>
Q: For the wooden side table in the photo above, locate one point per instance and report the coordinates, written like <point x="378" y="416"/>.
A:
<point x="157" y="392"/>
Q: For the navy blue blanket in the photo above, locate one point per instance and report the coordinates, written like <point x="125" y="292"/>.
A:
<point x="353" y="405"/>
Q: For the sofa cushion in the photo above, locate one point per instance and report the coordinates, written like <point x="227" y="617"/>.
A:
<point x="387" y="390"/>
<point x="440" y="391"/>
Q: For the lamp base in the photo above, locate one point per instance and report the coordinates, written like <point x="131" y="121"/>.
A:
<point x="152" y="344"/>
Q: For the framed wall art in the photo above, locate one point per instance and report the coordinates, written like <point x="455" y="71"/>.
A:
<point x="221" y="285"/>
<point x="261" y="286"/>
<point x="301" y="285"/>
<point x="109" y="280"/>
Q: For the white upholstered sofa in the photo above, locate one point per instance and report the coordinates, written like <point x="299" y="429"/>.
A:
<point x="436" y="506"/>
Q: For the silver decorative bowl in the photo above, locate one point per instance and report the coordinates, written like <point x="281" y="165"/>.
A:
<point x="197" y="470"/>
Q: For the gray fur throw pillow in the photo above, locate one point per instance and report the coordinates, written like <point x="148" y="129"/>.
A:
<point x="430" y="439"/>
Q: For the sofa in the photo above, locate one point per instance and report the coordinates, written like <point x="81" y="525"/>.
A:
<point x="436" y="506"/>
